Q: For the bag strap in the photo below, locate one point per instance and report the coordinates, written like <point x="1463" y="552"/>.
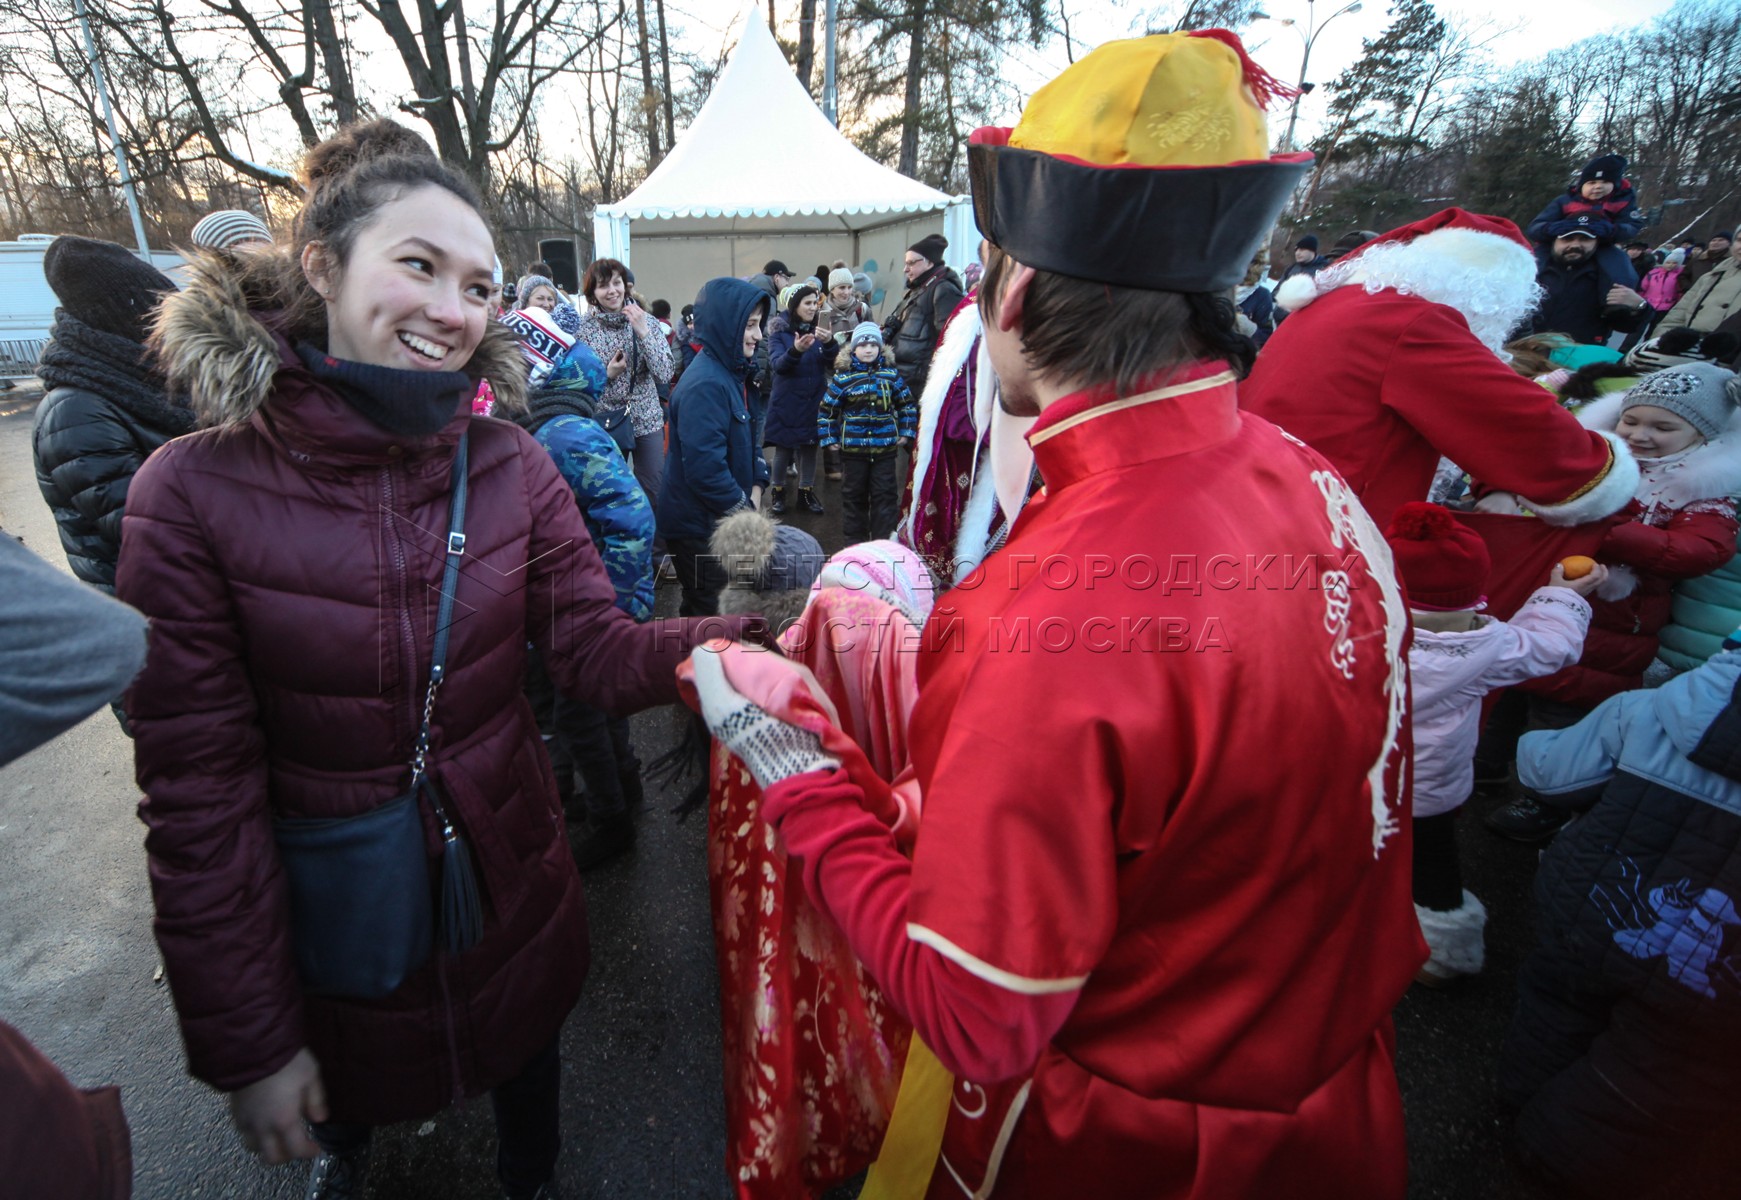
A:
<point x="444" y="610"/>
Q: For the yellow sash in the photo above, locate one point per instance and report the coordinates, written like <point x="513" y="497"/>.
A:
<point x="903" y="1169"/>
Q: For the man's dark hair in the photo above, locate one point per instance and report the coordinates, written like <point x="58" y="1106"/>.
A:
<point x="541" y="268"/>
<point x="661" y="309"/>
<point x="1079" y="331"/>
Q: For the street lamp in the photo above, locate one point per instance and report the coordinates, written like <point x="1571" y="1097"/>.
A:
<point x="1309" y="37"/>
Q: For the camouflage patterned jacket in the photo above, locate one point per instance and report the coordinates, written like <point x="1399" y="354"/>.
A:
<point x="559" y="417"/>
<point x="616" y="509"/>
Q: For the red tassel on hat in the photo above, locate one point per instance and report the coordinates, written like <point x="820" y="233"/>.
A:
<point x="1264" y="86"/>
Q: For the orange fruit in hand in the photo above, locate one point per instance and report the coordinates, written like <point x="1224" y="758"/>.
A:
<point x="1577" y="566"/>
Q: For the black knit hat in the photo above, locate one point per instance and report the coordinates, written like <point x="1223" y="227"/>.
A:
<point x="1610" y="168"/>
<point x="106" y="286"/>
<point x="930" y="247"/>
<point x="1309" y="242"/>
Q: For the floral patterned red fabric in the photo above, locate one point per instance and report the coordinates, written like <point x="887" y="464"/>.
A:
<point x="813" y="1050"/>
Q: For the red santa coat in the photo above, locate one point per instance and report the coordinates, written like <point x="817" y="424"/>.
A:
<point x="1182" y="801"/>
<point x="1383" y="384"/>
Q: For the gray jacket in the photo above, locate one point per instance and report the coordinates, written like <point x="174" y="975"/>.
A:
<point x="65" y="650"/>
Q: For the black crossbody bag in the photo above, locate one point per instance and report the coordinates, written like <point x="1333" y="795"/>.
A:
<point x="361" y="915"/>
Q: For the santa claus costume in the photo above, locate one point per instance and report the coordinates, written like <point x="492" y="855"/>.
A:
<point x="1391" y="360"/>
<point x="1158" y="956"/>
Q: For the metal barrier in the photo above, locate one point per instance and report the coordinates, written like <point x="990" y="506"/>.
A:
<point x="19" y="357"/>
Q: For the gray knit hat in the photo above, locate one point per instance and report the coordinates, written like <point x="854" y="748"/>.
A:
<point x="866" y="331"/>
<point x="1702" y="394"/>
<point x="528" y="282"/>
<point x="227" y="228"/>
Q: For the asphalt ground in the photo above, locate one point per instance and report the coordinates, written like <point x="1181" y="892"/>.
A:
<point x="642" y="1105"/>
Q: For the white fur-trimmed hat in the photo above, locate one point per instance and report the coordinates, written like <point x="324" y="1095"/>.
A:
<point x="1470" y="240"/>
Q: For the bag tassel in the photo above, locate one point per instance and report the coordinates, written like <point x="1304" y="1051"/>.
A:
<point x="462" y="910"/>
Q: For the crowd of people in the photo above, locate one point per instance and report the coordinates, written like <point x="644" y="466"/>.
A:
<point x="1130" y="798"/>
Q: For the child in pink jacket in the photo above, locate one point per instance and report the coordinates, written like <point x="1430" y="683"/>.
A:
<point x="1457" y="657"/>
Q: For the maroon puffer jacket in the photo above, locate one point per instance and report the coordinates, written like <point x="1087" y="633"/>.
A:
<point x="290" y="562"/>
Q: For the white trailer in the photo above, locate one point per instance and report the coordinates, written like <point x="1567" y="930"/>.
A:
<point x="27" y="303"/>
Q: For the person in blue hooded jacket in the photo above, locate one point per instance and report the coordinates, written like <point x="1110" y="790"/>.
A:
<point x="1623" y="1060"/>
<point x="712" y="465"/>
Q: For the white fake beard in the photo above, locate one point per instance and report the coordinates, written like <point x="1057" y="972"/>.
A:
<point x="1493" y="302"/>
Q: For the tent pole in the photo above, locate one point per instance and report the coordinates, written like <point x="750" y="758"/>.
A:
<point x="828" y="94"/>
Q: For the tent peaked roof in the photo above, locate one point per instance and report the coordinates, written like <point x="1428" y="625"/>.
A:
<point x="761" y="148"/>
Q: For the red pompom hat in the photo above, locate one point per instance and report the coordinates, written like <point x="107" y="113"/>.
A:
<point x="1443" y="564"/>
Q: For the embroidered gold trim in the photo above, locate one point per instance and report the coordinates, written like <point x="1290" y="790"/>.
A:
<point x="1112" y="406"/>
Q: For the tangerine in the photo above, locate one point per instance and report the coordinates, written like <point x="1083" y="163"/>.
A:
<point x="1576" y="566"/>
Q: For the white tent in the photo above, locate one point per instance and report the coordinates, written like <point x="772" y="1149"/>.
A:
<point x="760" y="174"/>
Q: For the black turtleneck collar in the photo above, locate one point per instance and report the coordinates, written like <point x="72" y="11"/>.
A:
<point x="408" y="403"/>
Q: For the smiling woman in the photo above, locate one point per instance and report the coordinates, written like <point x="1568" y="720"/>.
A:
<point x="297" y="558"/>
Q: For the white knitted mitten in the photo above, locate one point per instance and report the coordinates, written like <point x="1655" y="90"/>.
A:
<point x="771" y="748"/>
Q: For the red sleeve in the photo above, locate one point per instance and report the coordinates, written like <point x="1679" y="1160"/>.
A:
<point x="223" y="923"/>
<point x="853" y="873"/>
<point x="593" y="650"/>
<point x="1696" y="541"/>
<point x="54" y="1139"/>
<point x="1503" y="429"/>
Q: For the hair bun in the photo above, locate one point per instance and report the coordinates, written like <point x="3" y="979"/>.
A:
<point x="357" y="144"/>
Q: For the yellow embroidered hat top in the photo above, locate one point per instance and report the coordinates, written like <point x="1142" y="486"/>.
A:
<point x="1145" y="164"/>
<point x="1166" y="100"/>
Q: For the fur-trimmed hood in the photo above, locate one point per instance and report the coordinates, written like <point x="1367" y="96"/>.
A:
<point x="221" y="340"/>
<point x="1708" y="472"/>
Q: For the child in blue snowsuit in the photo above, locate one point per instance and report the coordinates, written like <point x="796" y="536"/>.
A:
<point x="581" y="738"/>
<point x="1603" y="204"/>
<point x="869" y="413"/>
<point x="1624" y="1057"/>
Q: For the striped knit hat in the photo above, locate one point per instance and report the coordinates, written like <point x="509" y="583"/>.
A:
<point x="229" y="228"/>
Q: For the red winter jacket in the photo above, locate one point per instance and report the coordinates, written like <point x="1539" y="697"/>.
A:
<point x="290" y="562"/>
<point x="1660" y="551"/>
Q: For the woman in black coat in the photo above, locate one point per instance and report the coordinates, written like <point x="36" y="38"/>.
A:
<point x="799" y="354"/>
<point x="106" y="409"/>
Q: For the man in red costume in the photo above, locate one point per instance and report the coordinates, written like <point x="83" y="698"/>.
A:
<point x="1391" y="360"/>
<point x="1158" y="910"/>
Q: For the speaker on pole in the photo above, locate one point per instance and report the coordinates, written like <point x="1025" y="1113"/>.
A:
<point x="564" y="266"/>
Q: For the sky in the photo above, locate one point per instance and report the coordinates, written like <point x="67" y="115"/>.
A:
<point x="1529" y="29"/>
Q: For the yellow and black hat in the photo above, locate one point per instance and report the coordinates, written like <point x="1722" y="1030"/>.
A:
<point x="1146" y="164"/>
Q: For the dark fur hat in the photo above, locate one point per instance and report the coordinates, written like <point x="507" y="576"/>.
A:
<point x="769" y="567"/>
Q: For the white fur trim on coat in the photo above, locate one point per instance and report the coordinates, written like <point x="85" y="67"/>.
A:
<point x="1613" y="492"/>
<point x="1297" y="291"/>
<point x="959" y="338"/>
